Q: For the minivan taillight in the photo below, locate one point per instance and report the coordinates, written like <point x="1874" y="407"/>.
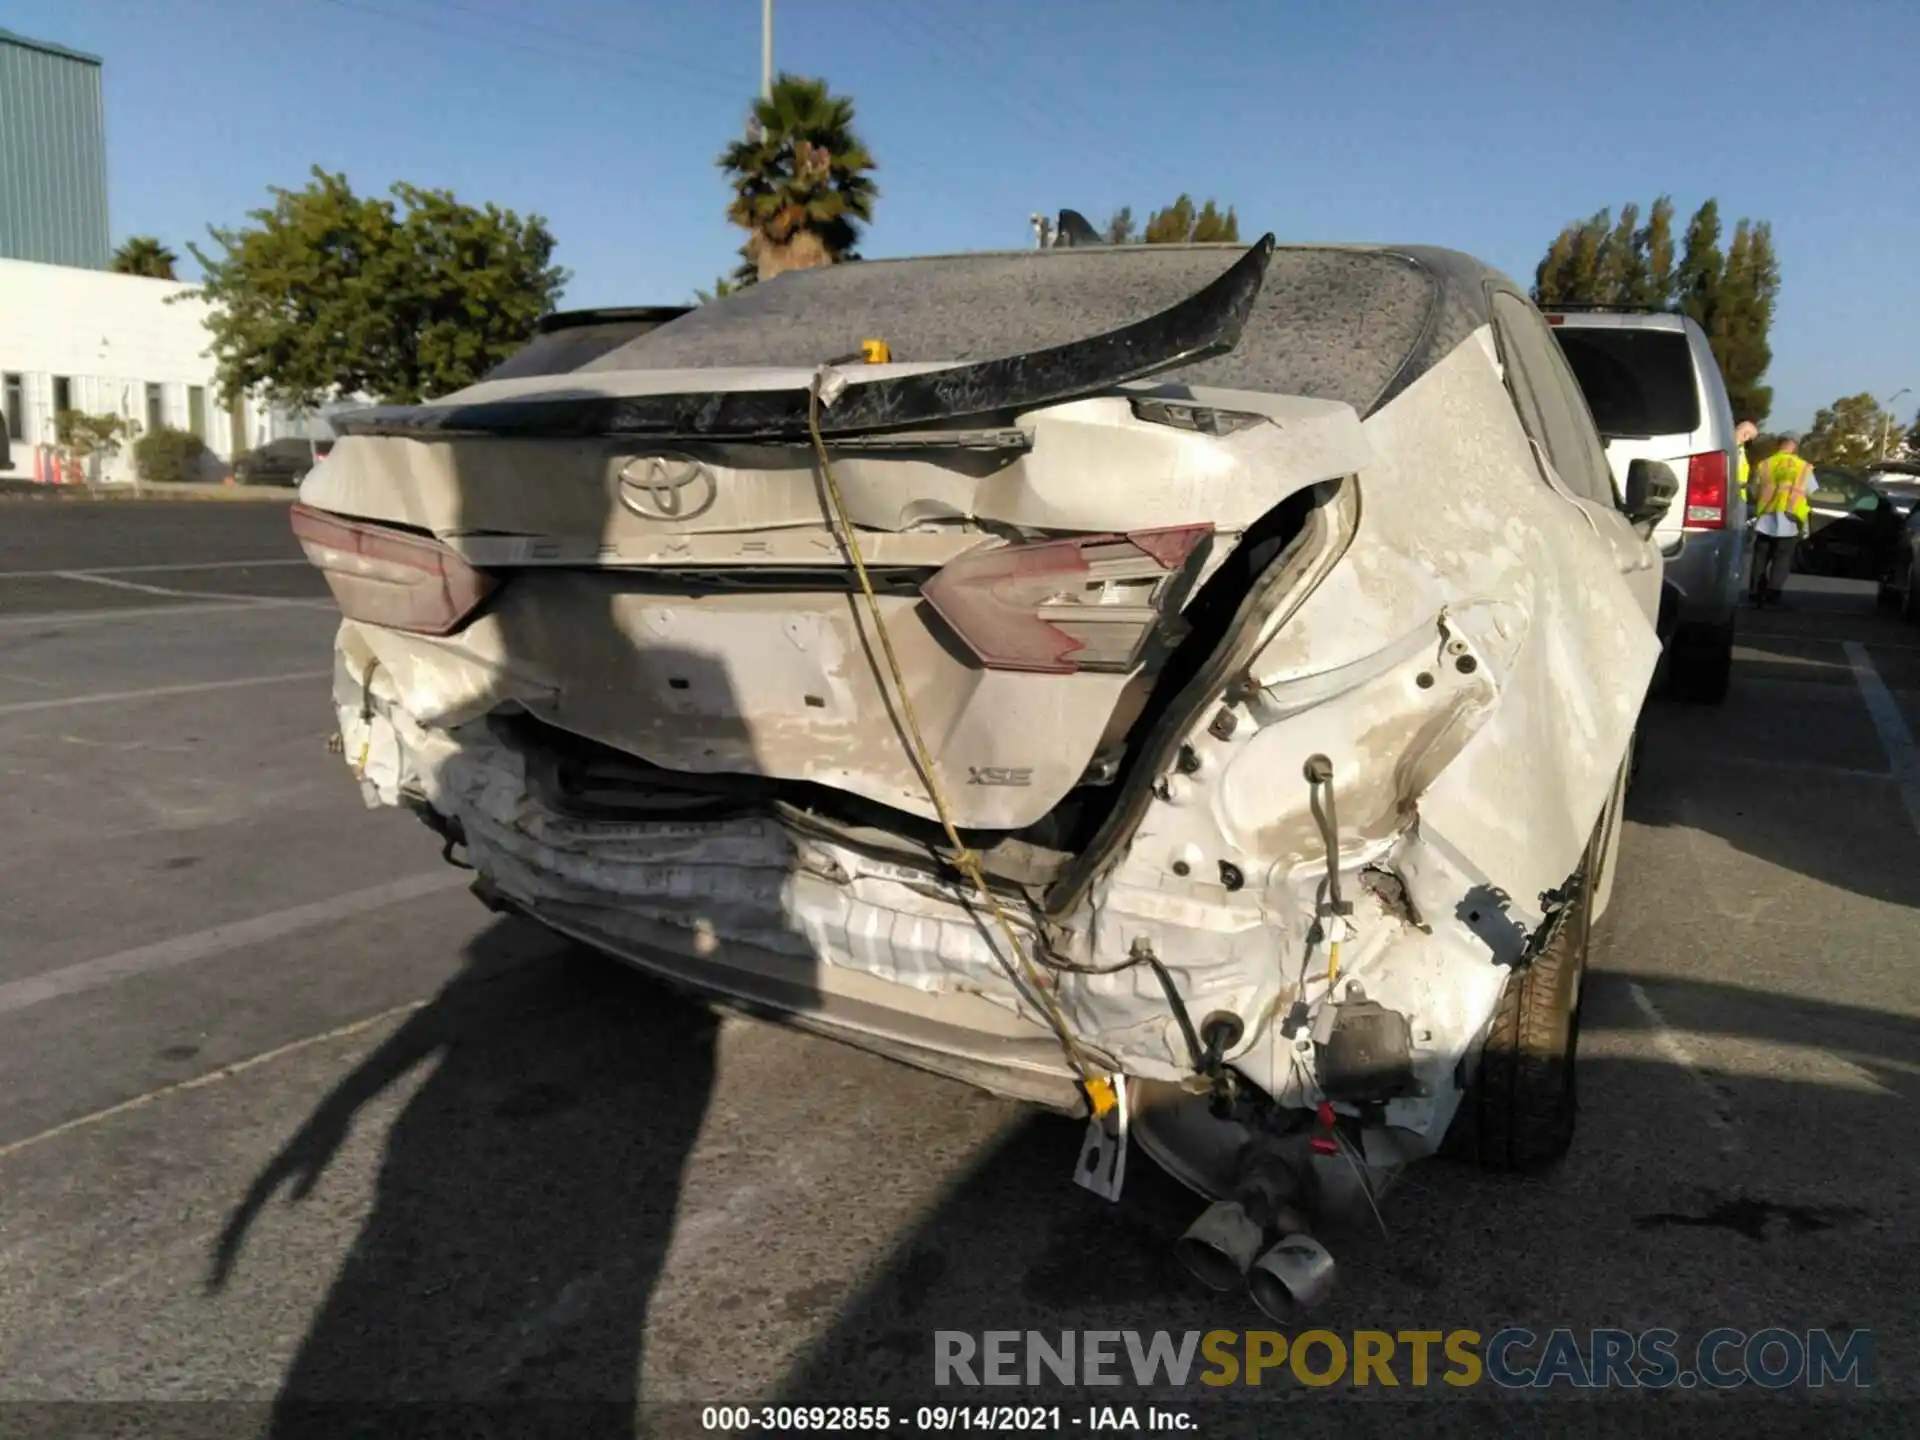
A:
<point x="1057" y="606"/>
<point x="388" y="577"/>
<point x="1707" y="491"/>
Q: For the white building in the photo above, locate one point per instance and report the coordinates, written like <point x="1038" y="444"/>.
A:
<point x="93" y="341"/>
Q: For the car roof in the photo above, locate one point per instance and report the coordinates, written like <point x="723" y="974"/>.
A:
<point x="1351" y="323"/>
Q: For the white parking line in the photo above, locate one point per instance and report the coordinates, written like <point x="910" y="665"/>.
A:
<point x="168" y="591"/>
<point x="199" y="1082"/>
<point x="1895" y="738"/>
<point x="108" y="580"/>
<point x="1794" y="767"/>
<point x="237" y="935"/>
<point x="171" y="566"/>
<point x="1719" y="1112"/>
<point x="158" y="692"/>
<point x="215" y="606"/>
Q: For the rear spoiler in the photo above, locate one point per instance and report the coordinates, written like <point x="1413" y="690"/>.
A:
<point x="1206" y="323"/>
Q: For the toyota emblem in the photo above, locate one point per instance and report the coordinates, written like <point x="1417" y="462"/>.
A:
<point x="666" y="487"/>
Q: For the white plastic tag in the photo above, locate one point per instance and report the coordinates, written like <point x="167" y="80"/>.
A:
<point x="1102" y="1166"/>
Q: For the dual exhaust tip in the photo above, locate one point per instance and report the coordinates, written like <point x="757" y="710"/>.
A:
<point x="1223" y="1249"/>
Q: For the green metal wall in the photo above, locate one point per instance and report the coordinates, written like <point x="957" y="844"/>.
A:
<point x="53" y="155"/>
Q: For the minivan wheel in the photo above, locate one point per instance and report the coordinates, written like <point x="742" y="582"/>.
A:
<point x="1700" y="663"/>
<point x="1519" y="1108"/>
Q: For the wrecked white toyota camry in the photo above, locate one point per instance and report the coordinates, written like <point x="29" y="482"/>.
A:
<point x="1191" y="685"/>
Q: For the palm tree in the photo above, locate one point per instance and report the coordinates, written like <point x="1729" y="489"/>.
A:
<point x="144" y="255"/>
<point x="801" y="188"/>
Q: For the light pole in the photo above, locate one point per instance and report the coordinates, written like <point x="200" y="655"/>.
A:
<point x="1886" y="418"/>
<point x="766" y="49"/>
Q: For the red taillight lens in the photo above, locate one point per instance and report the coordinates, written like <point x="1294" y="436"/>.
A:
<point x="1556" y="319"/>
<point x="1707" y="491"/>
<point x="390" y="577"/>
<point x="1058" y="606"/>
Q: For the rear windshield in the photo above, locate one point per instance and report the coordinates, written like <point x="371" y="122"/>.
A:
<point x="566" y="343"/>
<point x="1637" y="382"/>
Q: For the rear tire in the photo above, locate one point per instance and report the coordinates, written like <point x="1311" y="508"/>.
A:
<point x="1519" y="1109"/>
<point x="1700" y="663"/>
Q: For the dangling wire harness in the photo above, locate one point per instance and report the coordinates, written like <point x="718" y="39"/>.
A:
<point x="1334" y="907"/>
<point x="1089" y="1071"/>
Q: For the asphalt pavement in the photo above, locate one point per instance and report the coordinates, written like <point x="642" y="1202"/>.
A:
<point x="287" y="1116"/>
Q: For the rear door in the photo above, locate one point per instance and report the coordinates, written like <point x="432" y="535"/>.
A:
<point x="1647" y="399"/>
<point x="1557" y="419"/>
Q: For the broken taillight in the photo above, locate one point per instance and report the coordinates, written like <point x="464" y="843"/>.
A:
<point x="1707" y="491"/>
<point x="389" y="577"/>
<point x="1057" y="606"/>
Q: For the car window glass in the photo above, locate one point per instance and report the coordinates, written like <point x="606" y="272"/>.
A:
<point x="1638" y="383"/>
<point x="1520" y="384"/>
<point x="1832" y="488"/>
<point x="1549" y="400"/>
<point x="1592" y="476"/>
<point x="1866" y="501"/>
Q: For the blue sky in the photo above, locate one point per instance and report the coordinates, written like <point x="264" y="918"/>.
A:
<point x="1470" y="123"/>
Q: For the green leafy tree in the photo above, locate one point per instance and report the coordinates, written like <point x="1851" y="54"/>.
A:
<point x="331" y="293"/>
<point x="146" y="256"/>
<point x="1601" y="261"/>
<point x="1655" y="243"/>
<point x="1181" y="224"/>
<point x="1696" y="284"/>
<point x="1911" y="450"/>
<point x="1845" y="433"/>
<point x="1211" y="227"/>
<point x="1742" y="316"/>
<point x="802" y="179"/>
<point x="1621" y="264"/>
<point x="81" y="439"/>
<point x="1177" y="224"/>
<point x="1731" y="294"/>
<point x="1553" y="276"/>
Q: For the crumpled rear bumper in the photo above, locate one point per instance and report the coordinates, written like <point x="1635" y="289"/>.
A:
<point x="897" y="960"/>
<point x="739" y="910"/>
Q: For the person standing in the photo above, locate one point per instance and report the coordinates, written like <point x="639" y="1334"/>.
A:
<point x="1743" y="434"/>
<point x="1781" y="483"/>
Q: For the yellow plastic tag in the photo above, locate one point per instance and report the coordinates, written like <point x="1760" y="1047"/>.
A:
<point x="1100" y="1095"/>
<point x="876" y="352"/>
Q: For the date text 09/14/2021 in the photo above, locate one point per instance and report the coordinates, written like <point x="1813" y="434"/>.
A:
<point x="924" y="1419"/>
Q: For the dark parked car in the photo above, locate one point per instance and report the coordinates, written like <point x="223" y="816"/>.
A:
<point x="280" y="462"/>
<point x="1899" y="578"/>
<point x="1899" y="481"/>
<point x="1853" y="527"/>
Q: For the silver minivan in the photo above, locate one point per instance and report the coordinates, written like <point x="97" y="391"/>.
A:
<point x="1656" y="393"/>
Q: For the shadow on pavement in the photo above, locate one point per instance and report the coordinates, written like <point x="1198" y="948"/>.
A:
<point x="525" y="1199"/>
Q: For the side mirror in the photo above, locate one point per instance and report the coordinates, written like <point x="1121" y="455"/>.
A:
<point x="1652" y="488"/>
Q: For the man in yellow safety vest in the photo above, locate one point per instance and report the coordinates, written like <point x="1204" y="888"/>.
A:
<point x="1743" y="434"/>
<point x="1781" y="483"/>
